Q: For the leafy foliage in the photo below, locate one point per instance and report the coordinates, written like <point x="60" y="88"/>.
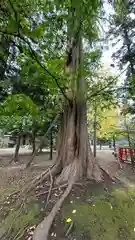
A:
<point x="122" y="33"/>
<point x="17" y="114"/>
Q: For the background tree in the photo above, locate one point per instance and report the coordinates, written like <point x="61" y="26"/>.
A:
<point x="100" y="103"/>
<point x="17" y="115"/>
<point x="121" y="34"/>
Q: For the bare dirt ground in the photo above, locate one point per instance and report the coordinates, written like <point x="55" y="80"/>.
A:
<point x="24" y="156"/>
<point x="15" y="174"/>
<point x="14" y="177"/>
<point x="104" y="157"/>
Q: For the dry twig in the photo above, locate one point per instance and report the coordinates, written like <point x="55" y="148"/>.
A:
<point x="42" y="230"/>
<point x="55" y="188"/>
<point x="69" y="229"/>
<point x="58" y="187"/>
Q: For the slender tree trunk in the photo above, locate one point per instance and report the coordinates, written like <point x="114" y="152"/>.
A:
<point x="129" y="141"/>
<point x="51" y="145"/>
<point x="33" y="144"/>
<point x="42" y="141"/>
<point x="24" y="140"/>
<point x="100" y="145"/>
<point x="114" y="145"/>
<point x="16" y="155"/>
<point x="95" y="131"/>
<point x="128" y="43"/>
<point x="110" y="145"/>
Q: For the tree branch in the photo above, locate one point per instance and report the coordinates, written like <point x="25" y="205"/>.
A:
<point x="34" y="56"/>
<point x="15" y="13"/>
<point x="102" y="89"/>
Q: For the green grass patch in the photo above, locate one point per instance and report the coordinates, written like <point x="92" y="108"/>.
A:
<point x="109" y="218"/>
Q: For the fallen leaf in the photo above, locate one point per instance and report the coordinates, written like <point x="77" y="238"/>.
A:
<point x="68" y="220"/>
<point x="74" y="211"/>
<point x="32" y="227"/>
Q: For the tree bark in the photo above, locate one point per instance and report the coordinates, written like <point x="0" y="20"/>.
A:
<point x="100" y="145"/>
<point x="110" y="145"/>
<point x="129" y="140"/>
<point x="114" y="145"/>
<point x="42" y="141"/>
<point x="74" y="153"/>
<point x="33" y="143"/>
<point x="24" y="140"/>
<point x="74" y="157"/>
<point x="95" y="131"/>
<point x="51" y="145"/>
<point x="16" y="155"/>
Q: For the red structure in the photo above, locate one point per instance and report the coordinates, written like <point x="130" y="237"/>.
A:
<point x="124" y="154"/>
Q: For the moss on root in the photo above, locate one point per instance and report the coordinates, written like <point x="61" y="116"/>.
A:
<point x="112" y="217"/>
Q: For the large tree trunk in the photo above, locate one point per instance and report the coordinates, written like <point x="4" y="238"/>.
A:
<point x="75" y="160"/>
<point x="74" y="153"/>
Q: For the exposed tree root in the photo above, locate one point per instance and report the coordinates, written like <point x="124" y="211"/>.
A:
<point x="106" y="174"/>
<point x="51" y="185"/>
<point x="36" y="182"/>
<point x="14" y="159"/>
<point x="120" y="165"/>
<point x="93" y="170"/>
<point x="42" y="177"/>
<point x="24" y="194"/>
<point x="68" y="172"/>
<point x="71" y="171"/>
<point x="42" y="230"/>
